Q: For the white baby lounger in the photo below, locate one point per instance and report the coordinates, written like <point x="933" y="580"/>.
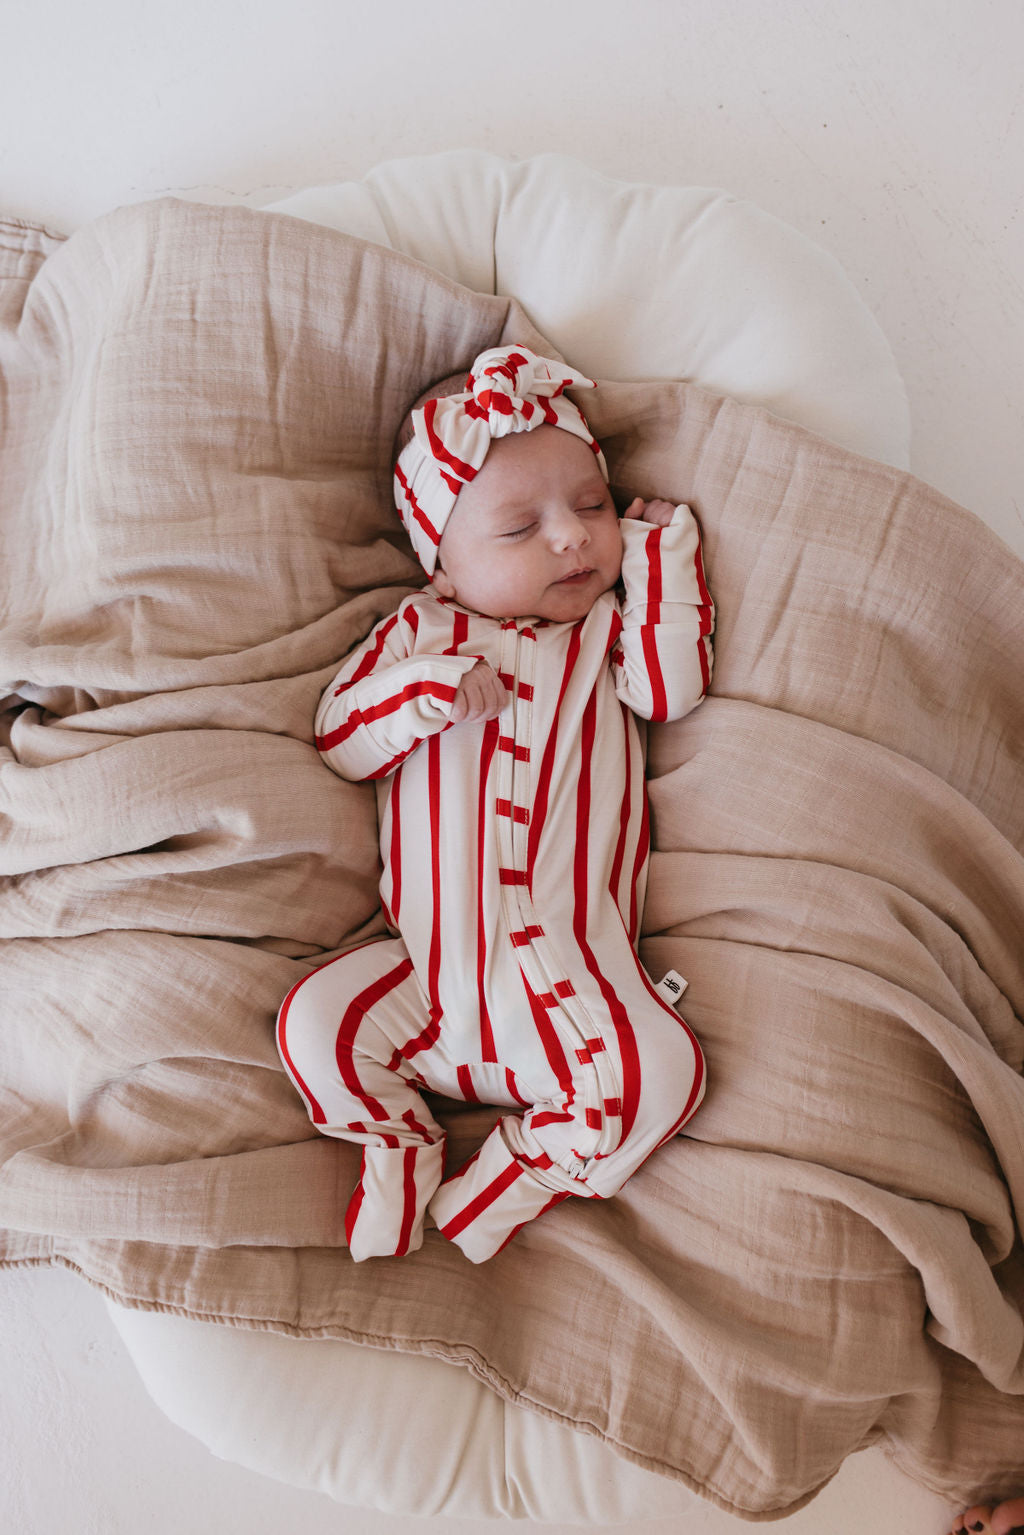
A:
<point x="629" y="282"/>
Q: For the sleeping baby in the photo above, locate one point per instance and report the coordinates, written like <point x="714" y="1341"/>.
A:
<point x="495" y="711"/>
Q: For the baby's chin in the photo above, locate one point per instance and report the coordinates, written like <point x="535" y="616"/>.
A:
<point x="568" y="602"/>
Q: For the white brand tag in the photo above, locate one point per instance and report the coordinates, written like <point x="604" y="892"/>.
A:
<point x="671" y="986"/>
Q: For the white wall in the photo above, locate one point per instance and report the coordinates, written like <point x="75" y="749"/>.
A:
<point x="892" y="131"/>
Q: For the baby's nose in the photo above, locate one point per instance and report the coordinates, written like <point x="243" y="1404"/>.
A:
<point x="570" y="532"/>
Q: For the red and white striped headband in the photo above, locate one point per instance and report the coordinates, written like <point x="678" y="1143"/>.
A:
<point x="508" y="389"/>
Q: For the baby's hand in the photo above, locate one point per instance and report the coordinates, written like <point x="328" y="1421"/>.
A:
<point x="481" y="695"/>
<point x="659" y="513"/>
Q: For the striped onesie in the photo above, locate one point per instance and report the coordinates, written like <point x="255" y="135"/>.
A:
<point x="514" y="858"/>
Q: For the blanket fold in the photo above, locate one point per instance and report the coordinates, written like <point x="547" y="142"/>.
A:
<point x="199" y="407"/>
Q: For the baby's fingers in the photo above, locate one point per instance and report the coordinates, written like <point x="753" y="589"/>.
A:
<point x="494" y="696"/>
<point x="481" y="695"/>
<point x="659" y="512"/>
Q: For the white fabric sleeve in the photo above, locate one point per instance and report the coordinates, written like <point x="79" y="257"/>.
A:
<point x="663" y="657"/>
<point x="384" y="702"/>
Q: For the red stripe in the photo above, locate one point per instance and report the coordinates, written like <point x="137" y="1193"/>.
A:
<point x="344" y="1044"/>
<point x="501" y="404"/>
<point x="466" y="1087"/>
<point x="395" y="851"/>
<point x="463" y="471"/>
<point x="628" y="1053"/>
<point x="540" y="800"/>
<point x="486" y="1197"/>
<point x="418" y="514"/>
<point x="648" y="630"/>
<point x="316" y="1113"/>
<point x="512" y="876"/>
<point x="550" y="1117"/>
<point x="513" y="1088"/>
<point x="525" y="935"/>
<point x="314" y="1108"/>
<point x="488" y="1049"/>
<point x="422" y="1041"/>
<point x="624" y="813"/>
<point x="517" y="813"/>
<point x="409" y="1204"/>
<point x="520" y="753"/>
<point x="643" y="847"/>
<point x="443" y="691"/>
<point x="409" y="1118"/>
<point x="706" y="612"/>
<point x="702" y="585"/>
<point x="523" y="690"/>
<point x="460" y="632"/>
<point x="614" y="629"/>
<point x="556" y="1199"/>
<point x="396" y="762"/>
<point x="370" y="658"/>
<point x="355" y="1204"/>
<point x="434" y="798"/>
<point x="700" y="1068"/>
<point x="553" y="1048"/>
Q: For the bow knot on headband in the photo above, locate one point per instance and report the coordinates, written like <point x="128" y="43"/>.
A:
<point x="509" y="389"/>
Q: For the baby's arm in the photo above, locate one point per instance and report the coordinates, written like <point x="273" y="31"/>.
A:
<point x="387" y="699"/>
<point x="662" y="657"/>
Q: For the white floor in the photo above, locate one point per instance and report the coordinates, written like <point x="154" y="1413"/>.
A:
<point x="892" y="131"/>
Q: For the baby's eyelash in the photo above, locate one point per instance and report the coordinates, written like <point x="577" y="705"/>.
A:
<point x="520" y="532"/>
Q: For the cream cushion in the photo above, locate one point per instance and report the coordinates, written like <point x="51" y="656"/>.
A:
<point x="634" y="282"/>
<point x="629" y="282"/>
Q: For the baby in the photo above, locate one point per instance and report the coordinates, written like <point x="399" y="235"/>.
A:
<point x="495" y="710"/>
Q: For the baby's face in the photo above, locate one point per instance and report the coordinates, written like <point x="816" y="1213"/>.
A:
<point x="535" y="534"/>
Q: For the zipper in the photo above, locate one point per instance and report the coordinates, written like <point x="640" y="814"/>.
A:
<point x="516" y="775"/>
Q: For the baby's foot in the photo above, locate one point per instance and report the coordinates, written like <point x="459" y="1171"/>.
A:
<point x="1004" y="1519"/>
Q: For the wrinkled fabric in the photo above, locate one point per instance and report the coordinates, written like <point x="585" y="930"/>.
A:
<point x="197" y="525"/>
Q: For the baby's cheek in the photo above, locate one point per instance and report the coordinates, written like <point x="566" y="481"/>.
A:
<point x="617" y="552"/>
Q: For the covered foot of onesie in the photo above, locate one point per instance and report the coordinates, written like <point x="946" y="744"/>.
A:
<point x="489" y="1200"/>
<point x="385" y="1214"/>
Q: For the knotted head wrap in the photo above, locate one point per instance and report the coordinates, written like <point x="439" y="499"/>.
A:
<point x="508" y="389"/>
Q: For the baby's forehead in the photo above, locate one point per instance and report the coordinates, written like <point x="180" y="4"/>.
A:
<point x="517" y="467"/>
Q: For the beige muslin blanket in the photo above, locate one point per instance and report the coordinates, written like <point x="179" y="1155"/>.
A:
<point x="197" y="412"/>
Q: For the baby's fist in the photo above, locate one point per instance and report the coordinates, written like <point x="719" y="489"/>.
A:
<point x="659" y="513"/>
<point x="481" y="695"/>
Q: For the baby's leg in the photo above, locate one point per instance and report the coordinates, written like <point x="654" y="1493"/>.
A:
<point x="340" y="1033"/>
<point x="584" y="1143"/>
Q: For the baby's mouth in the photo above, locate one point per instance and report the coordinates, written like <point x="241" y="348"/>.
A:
<point x="575" y="578"/>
